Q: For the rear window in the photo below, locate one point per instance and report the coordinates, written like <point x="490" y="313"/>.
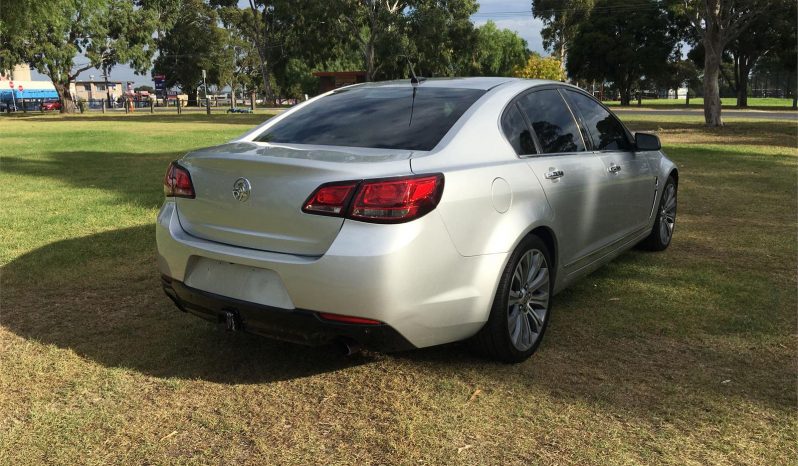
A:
<point x="379" y="117"/>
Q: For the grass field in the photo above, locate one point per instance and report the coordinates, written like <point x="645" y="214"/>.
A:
<point x="681" y="357"/>
<point x="758" y="103"/>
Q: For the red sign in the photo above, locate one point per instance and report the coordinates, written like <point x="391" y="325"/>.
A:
<point x="20" y="88"/>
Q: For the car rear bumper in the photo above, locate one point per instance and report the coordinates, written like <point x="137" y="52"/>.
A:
<point x="295" y="325"/>
<point x="408" y="276"/>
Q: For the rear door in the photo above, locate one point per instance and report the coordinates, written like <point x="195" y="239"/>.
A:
<point x="571" y="176"/>
<point x="631" y="191"/>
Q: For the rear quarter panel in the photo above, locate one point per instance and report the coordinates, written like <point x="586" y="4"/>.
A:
<point x="491" y="198"/>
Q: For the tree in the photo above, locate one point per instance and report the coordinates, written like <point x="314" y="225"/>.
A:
<point x="763" y="35"/>
<point x="149" y="89"/>
<point x="194" y="43"/>
<point x="498" y="52"/>
<point x="374" y="25"/>
<point x="716" y="23"/>
<point x="537" y="67"/>
<point x="49" y="36"/>
<point x="622" y="45"/>
<point x="440" y="37"/>
<point x="561" y="19"/>
<point x="677" y="73"/>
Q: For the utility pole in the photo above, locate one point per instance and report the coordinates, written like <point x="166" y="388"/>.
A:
<point x="107" y="91"/>
<point x="207" y="100"/>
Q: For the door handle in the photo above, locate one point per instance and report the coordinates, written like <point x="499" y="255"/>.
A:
<point x="554" y="174"/>
<point x="614" y="168"/>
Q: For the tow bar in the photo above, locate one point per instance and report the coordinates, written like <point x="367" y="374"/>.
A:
<point x="232" y="323"/>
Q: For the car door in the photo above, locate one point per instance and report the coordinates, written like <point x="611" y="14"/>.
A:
<point x="571" y="176"/>
<point x="630" y="194"/>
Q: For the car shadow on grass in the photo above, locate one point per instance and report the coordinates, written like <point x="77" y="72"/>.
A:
<point x="100" y="297"/>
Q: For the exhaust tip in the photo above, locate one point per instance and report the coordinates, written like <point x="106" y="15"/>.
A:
<point x="349" y="347"/>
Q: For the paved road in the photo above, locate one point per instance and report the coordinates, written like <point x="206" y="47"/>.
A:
<point x="763" y="114"/>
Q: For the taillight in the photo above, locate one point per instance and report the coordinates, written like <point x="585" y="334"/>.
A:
<point x="177" y="182"/>
<point x="330" y="199"/>
<point x="392" y="200"/>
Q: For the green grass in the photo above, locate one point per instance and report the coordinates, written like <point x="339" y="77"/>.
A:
<point x="756" y="103"/>
<point x="681" y="357"/>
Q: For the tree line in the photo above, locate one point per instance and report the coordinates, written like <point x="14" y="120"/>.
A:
<point x="639" y="44"/>
<point x="272" y="46"/>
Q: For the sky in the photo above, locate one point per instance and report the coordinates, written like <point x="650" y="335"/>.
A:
<point x="515" y="15"/>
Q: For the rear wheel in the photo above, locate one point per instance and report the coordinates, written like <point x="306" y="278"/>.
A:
<point x="662" y="233"/>
<point x="520" y="312"/>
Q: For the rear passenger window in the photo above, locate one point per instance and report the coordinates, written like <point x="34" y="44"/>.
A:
<point x="606" y="131"/>
<point x="552" y="122"/>
<point x="517" y="132"/>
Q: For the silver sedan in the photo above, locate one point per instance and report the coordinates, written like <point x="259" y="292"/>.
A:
<point x="402" y="215"/>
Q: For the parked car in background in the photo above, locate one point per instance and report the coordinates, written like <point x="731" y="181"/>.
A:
<point x="403" y="215"/>
<point x="51" y="105"/>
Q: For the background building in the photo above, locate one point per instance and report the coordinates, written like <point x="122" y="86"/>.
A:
<point x="17" y="88"/>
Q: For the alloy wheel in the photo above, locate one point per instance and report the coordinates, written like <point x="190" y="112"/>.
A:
<point x="667" y="214"/>
<point x="528" y="302"/>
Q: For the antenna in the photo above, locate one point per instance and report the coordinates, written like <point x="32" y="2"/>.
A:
<point x="414" y="80"/>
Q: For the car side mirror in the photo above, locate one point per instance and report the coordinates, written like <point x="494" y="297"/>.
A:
<point x="647" y="141"/>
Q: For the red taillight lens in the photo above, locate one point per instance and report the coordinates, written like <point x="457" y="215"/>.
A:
<point x="348" y="319"/>
<point x="393" y="200"/>
<point x="330" y="199"/>
<point x="177" y="182"/>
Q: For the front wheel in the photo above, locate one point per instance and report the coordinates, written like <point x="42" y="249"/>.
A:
<point x="520" y="312"/>
<point x="664" y="224"/>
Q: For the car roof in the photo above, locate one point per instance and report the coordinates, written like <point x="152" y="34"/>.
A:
<point x="483" y="83"/>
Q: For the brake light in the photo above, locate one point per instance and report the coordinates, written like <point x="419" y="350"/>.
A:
<point x="177" y="182"/>
<point x="392" y="200"/>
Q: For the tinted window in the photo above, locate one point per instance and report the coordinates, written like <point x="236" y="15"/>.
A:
<point x="381" y="117"/>
<point x="552" y="122"/>
<point x="517" y="132"/>
<point x="605" y="130"/>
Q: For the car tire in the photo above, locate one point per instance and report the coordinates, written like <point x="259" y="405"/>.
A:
<point x="662" y="233"/>
<point x="514" y="330"/>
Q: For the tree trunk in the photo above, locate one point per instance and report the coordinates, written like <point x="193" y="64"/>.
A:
<point x="625" y="96"/>
<point x="368" y="53"/>
<point x="712" y="58"/>
<point x="192" y="97"/>
<point x="744" y="64"/>
<point x="742" y="90"/>
<point x="65" y="96"/>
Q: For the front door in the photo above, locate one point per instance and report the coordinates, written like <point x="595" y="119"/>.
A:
<point x="631" y="190"/>
<point x="572" y="177"/>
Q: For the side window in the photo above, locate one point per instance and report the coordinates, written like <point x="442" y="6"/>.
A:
<point x="552" y="122"/>
<point x="606" y="131"/>
<point x="517" y="132"/>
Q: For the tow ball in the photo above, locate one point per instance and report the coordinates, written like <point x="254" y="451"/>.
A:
<point x="230" y="320"/>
